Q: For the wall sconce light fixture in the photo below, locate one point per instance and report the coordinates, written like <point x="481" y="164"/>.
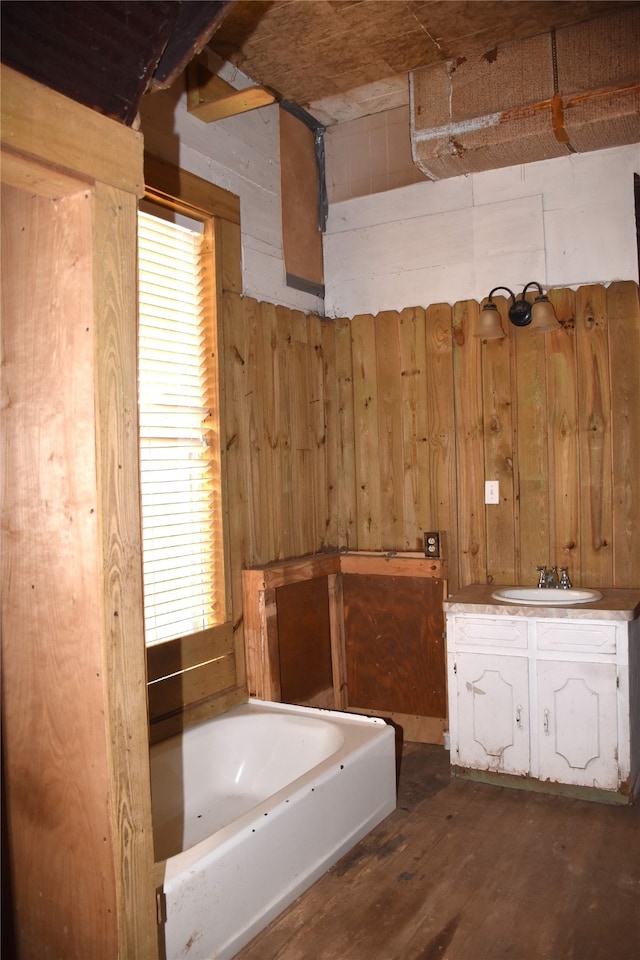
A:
<point x="540" y="314"/>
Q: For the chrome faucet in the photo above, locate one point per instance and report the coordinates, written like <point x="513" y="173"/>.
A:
<point x="548" y="579"/>
<point x="552" y="579"/>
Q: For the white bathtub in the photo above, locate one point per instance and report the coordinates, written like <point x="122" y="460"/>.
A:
<point x="250" y="808"/>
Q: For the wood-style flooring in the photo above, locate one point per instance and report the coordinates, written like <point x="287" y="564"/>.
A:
<point x="468" y="871"/>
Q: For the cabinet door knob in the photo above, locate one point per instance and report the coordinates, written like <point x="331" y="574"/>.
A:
<point x="519" y="716"/>
<point x="547" y="717"/>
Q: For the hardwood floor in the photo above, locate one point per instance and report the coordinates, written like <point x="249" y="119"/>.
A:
<point x="468" y="871"/>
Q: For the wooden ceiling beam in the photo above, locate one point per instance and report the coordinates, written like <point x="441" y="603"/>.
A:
<point x="211" y="98"/>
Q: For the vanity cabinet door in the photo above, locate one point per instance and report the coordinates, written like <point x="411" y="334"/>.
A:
<point x="577" y="723"/>
<point x="492" y="713"/>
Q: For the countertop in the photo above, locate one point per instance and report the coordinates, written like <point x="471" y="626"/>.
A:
<point x="616" y="604"/>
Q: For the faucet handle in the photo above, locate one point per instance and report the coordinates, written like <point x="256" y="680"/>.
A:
<point x="565" y="582"/>
<point x="543" y="576"/>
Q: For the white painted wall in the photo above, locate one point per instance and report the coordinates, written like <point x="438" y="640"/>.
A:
<point x="241" y="154"/>
<point x="562" y="222"/>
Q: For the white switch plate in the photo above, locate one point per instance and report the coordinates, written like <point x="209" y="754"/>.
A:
<point x="491" y="491"/>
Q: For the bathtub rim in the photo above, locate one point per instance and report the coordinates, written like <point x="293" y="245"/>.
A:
<point x="170" y="868"/>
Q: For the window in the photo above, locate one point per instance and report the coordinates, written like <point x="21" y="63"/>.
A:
<point x="180" y="473"/>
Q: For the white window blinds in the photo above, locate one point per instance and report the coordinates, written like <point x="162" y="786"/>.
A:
<point x="179" y="437"/>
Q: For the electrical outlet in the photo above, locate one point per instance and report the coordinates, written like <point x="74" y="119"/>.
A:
<point x="491" y="491"/>
<point x="432" y="544"/>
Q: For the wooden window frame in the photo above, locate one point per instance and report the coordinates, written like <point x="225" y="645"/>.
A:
<point x="200" y="674"/>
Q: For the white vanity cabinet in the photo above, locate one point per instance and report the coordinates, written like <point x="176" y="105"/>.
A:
<point x="489" y="693"/>
<point x="577" y="724"/>
<point x="492" y="712"/>
<point x="544" y="695"/>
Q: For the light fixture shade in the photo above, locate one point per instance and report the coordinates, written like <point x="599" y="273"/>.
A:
<point x="543" y="316"/>
<point x="489" y="325"/>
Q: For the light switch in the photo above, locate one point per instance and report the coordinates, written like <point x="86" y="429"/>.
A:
<point x="491" y="491"/>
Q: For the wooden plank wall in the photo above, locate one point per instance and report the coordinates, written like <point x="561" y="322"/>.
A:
<point x="363" y="433"/>
<point x="276" y="450"/>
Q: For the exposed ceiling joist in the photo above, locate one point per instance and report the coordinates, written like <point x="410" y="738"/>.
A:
<point x="211" y="98"/>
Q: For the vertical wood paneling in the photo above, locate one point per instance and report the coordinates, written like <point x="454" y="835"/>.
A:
<point x="440" y="482"/>
<point x="624" y="341"/>
<point x="391" y="415"/>
<point x="594" y="418"/>
<point x="415" y="429"/>
<point x="534" y="412"/>
<point x="317" y="432"/>
<point x="467" y="385"/>
<point x="525" y="407"/>
<point x="264" y="462"/>
<point x="533" y="547"/>
<point x="330" y="400"/>
<point x="562" y="407"/>
<point x="377" y="429"/>
<point x="345" y="439"/>
<point x="267" y="369"/>
<point x="261" y="529"/>
<point x="283" y="413"/>
<point x="238" y="451"/>
<point x="275" y="434"/>
<point x="498" y="458"/>
<point x="301" y="436"/>
<point x="365" y="413"/>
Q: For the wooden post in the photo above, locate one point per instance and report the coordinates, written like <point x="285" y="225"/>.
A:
<point x="73" y="683"/>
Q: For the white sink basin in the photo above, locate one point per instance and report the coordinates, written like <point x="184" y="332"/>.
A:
<point x="545" y="597"/>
